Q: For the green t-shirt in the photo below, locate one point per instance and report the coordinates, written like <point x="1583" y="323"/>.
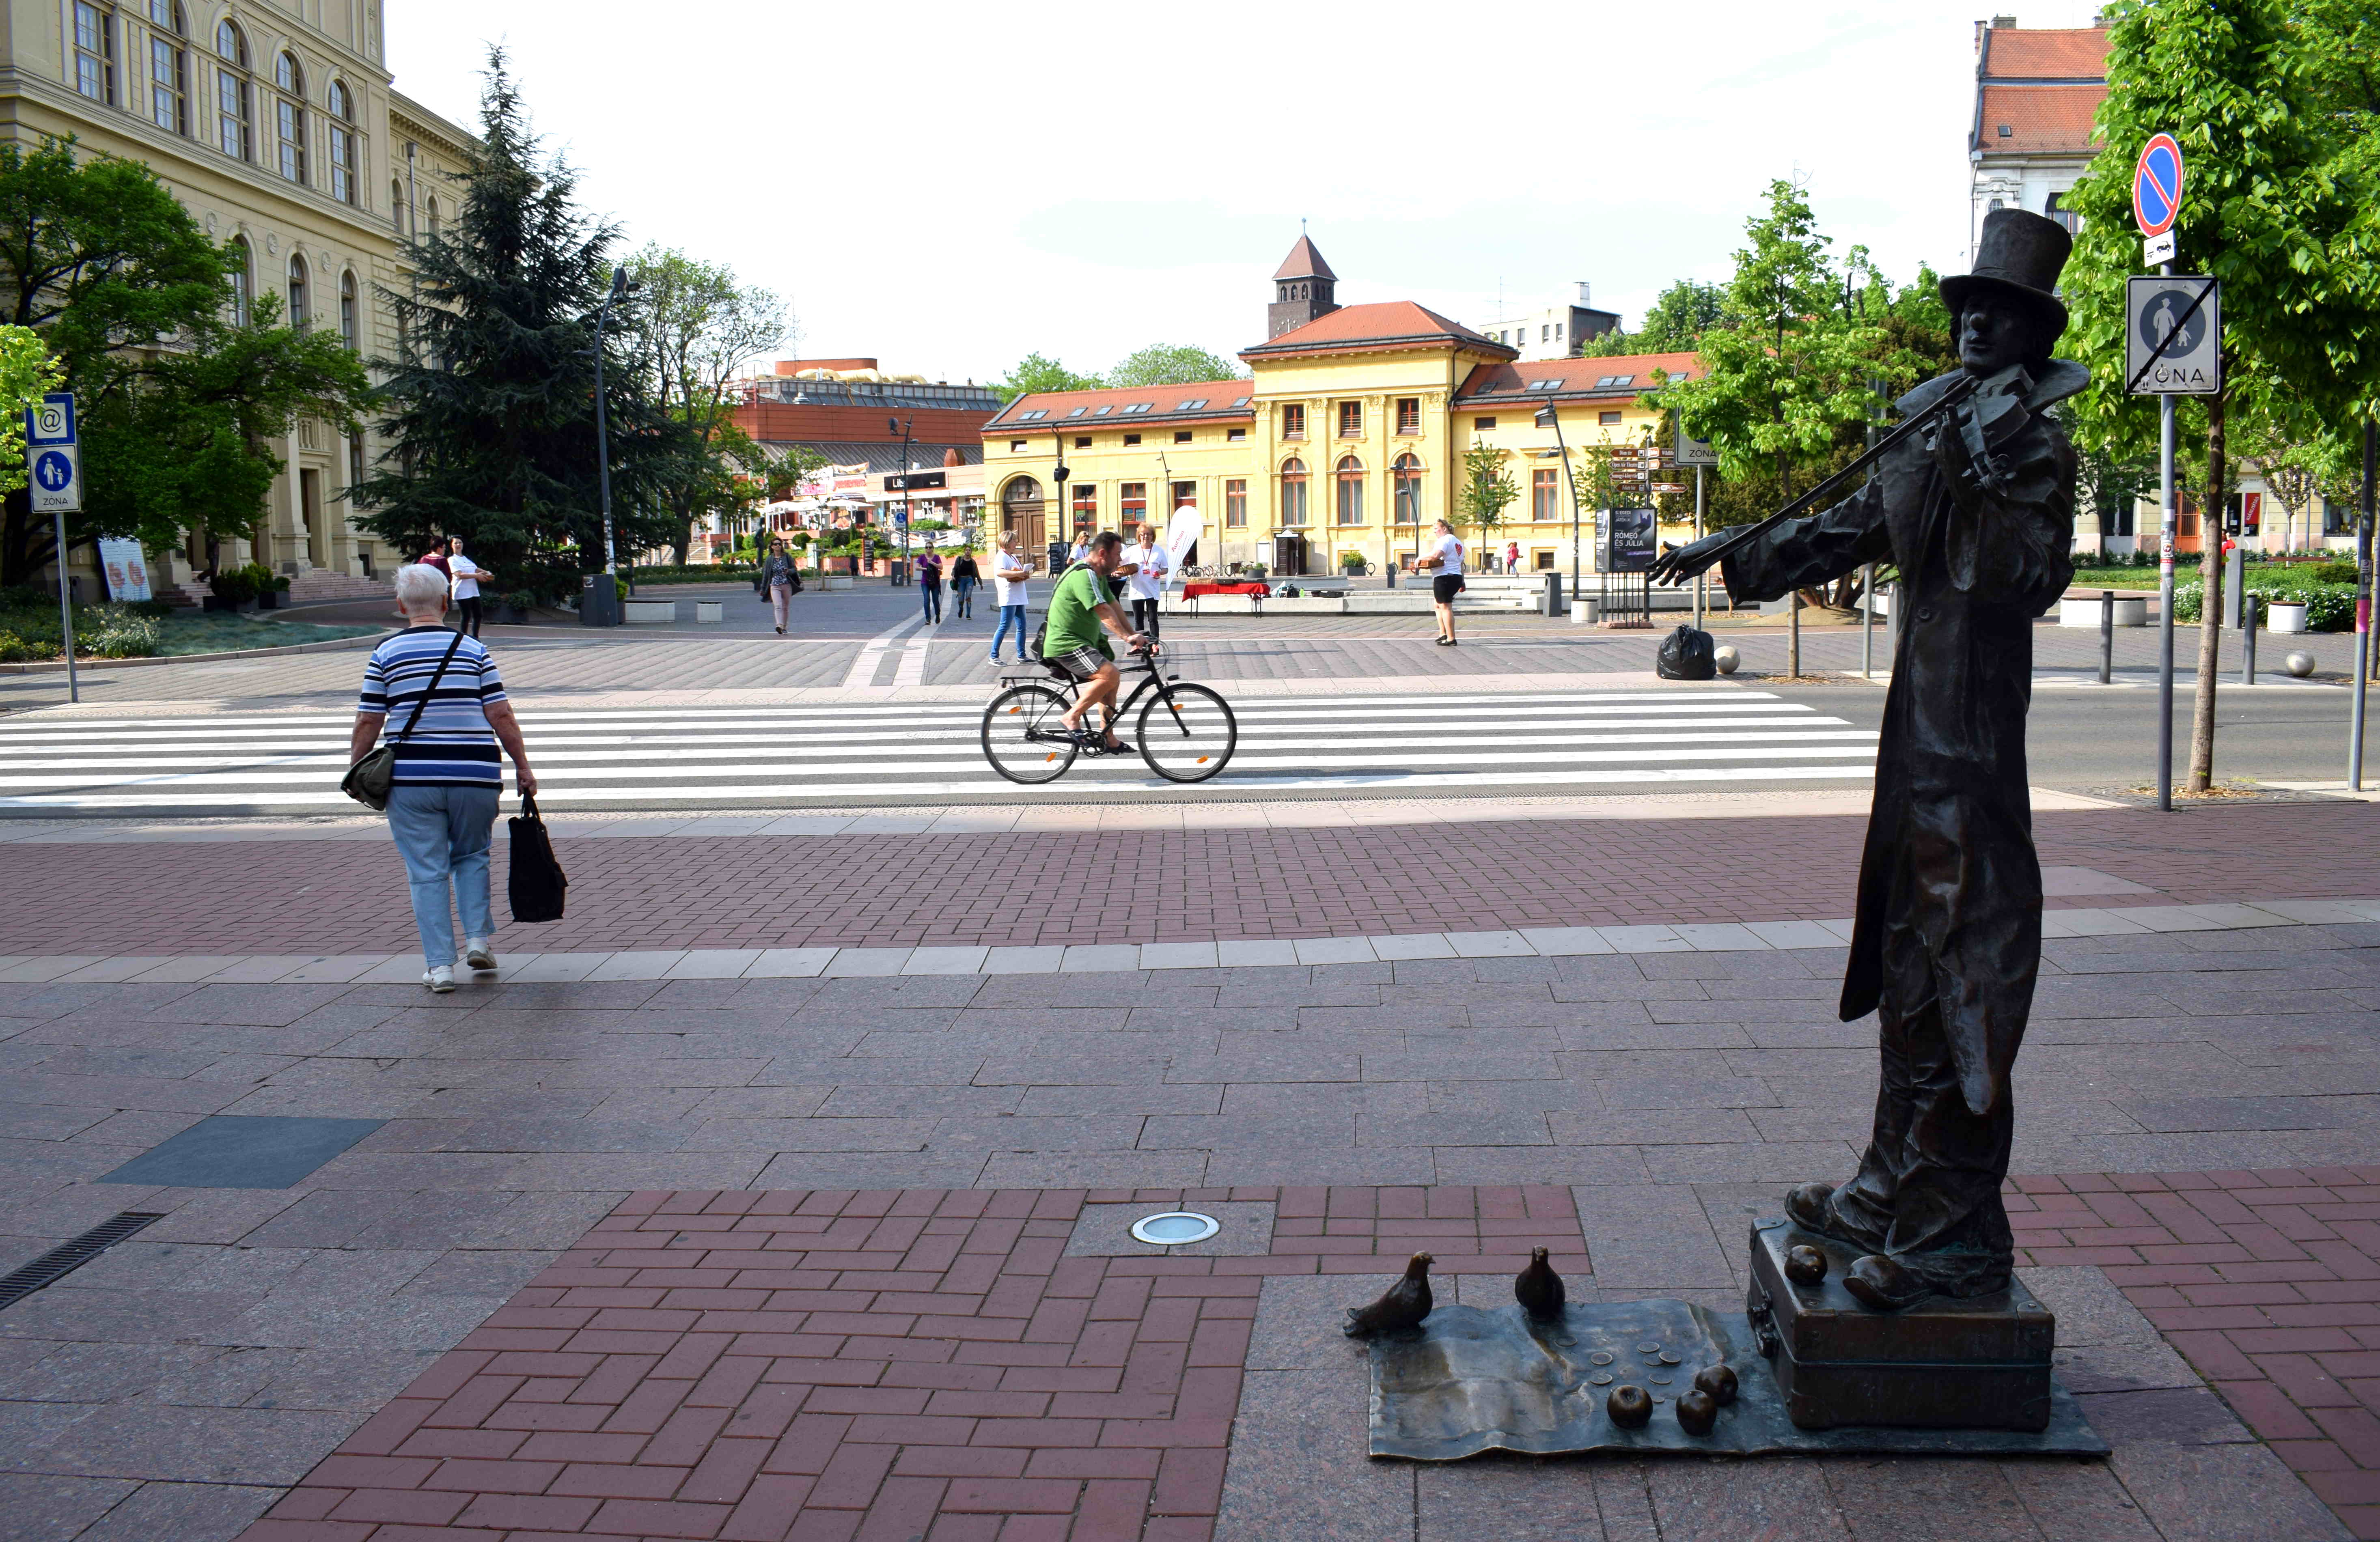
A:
<point x="1072" y="622"/>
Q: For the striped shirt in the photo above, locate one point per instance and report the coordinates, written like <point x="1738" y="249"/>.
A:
<point x="452" y="745"/>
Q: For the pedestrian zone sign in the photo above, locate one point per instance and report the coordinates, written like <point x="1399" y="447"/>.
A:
<point x="53" y="460"/>
<point x="2181" y="315"/>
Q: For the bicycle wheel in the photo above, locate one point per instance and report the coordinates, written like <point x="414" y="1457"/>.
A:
<point x="1024" y="737"/>
<point x="1188" y="733"/>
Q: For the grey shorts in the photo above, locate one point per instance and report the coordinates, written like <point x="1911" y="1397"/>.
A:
<point x="1080" y="664"/>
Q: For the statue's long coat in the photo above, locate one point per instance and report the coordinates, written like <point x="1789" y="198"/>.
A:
<point x="1950" y="840"/>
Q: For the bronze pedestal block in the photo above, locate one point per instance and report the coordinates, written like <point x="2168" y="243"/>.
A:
<point x="1981" y="1363"/>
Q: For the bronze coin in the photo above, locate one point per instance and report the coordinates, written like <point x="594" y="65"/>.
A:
<point x="1601" y="1357"/>
<point x="1648" y="1348"/>
<point x="1668" y="1357"/>
<point x="1658" y="1378"/>
<point x="1601" y="1379"/>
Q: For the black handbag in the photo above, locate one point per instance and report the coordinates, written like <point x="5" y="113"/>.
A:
<point x="538" y="882"/>
<point x="371" y="778"/>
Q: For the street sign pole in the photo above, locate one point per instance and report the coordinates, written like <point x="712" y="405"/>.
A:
<point x="2166" y="524"/>
<point x="2156" y="203"/>
<point x="1699" y="579"/>
<point x="2363" y="555"/>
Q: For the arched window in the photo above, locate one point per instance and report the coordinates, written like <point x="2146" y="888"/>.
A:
<point x="350" y="315"/>
<point x="233" y="135"/>
<point x="169" y="68"/>
<point x="1407" y="476"/>
<point x="94" y="51"/>
<point x="396" y="209"/>
<point x="289" y="117"/>
<point x="1293" y="492"/>
<point x="1349" y="507"/>
<point x="298" y="309"/>
<point x="243" y="280"/>
<point x="344" y="181"/>
<point x="429" y="214"/>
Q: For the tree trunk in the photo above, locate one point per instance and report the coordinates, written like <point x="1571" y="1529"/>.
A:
<point x="2210" y="616"/>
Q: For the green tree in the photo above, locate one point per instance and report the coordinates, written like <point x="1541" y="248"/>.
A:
<point x="1169" y="364"/>
<point x="176" y="397"/>
<point x="2278" y="206"/>
<point x="493" y="384"/>
<point x="696" y="329"/>
<point x="1675" y="324"/>
<point x="26" y="372"/>
<point x="1488" y="488"/>
<point x="1034" y="374"/>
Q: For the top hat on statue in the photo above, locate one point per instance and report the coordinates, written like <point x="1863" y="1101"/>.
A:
<point x="2020" y="257"/>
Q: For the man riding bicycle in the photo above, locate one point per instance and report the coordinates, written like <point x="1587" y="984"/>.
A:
<point x="1080" y="605"/>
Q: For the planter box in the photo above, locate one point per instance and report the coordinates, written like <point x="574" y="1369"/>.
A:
<point x="711" y="610"/>
<point x="837" y="581"/>
<point x="503" y="614"/>
<point x="272" y="599"/>
<point x="234" y="607"/>
<point x="2285" y="616"/>
<point x="2085" y="613"/>
<point x="648" y="611"/>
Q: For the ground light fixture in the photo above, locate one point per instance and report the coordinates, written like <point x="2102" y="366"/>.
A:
<point x="1176" y="1227"/>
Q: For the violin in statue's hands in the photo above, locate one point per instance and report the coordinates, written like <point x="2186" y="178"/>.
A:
<point x="1678" y="564"/>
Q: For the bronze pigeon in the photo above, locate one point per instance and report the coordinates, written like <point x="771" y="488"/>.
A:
<point x="1538" y="1289"/>
<point x="1404" y="1306"/>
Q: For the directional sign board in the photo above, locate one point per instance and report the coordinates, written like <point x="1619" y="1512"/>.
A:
<point x="54" y="459"/>
<point x="2157" y="309"/>
<point x="2156" y="184"/>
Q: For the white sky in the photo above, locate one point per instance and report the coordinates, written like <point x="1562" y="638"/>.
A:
<point x="946" y="188"/>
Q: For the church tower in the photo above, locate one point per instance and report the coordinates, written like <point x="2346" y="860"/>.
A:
<point x="1301" y="290"/>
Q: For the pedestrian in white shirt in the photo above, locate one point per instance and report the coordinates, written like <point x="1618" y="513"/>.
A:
<point x="1443" y="561"/>
<point x="1009" y="574"/>
<point x="466" y="576"/>
<point x="1146" y="578"/>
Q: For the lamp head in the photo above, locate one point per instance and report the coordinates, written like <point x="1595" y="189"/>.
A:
<point x="1545" y="416"/>
<point x="619" y="282"/>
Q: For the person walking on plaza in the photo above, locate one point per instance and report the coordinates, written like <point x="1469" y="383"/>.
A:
<point x="1082" y="550"/>
<point x="1443" y="560"/>
<point x="781" y="577"/>
<point x="964" y="577"/>
<point x="1080" y="604"/>
<point x="930" y="584"/>
<point x="467" y="577"/>
<point x="442" y="803"/>
<point x="1147" y="567"/>
<point x="1009" y="575"/>
<point x="1512" y="556"/>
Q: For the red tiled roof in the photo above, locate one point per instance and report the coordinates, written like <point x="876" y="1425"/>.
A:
<point x="1164" y="401"/>
<point x="1498" y="384"/>
<point x="1391" y="323"/>
<point x="2040" y="119"/>
<point x="1304" y="262"/>
<point x="2045" y="53"/>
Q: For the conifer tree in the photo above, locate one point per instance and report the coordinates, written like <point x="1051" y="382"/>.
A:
<point x="493" y="391"/>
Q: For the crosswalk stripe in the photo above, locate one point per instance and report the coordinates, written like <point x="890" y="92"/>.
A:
<point x="873" y="752"/>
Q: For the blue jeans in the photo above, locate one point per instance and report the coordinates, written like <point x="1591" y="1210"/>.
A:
<point x="1010" y="613"/>
<point x="930" y="596"/>
<point x="963" y="590"/>
<point x="443" y="834"/>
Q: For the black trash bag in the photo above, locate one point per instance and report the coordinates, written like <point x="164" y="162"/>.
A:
<point x="538" y="882"/>
<point x="1686" y="655"/>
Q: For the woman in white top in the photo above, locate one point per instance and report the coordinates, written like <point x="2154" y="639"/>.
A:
<point x="466" y="576"/>
<point x="1444" y="562"/>
<point x="1149" y="566"/>
<point x="1009" y="572"/>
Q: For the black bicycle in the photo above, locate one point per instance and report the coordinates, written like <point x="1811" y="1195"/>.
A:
<point x="1185" y="733"/>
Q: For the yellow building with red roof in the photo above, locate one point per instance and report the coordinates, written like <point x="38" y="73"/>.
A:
<point x="1347" y="440"/>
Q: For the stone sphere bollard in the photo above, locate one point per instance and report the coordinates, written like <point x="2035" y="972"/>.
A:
<point x="1726" y="657"/>
<point x="2300" y="663"/>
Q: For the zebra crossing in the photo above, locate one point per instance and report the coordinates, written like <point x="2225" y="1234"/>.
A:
<point x="832" y="754"/>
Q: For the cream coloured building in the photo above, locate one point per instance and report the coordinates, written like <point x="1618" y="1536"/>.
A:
<point x="279" y="129"/>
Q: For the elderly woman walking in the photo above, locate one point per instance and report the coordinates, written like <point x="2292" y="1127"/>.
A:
<point x="436" y="693"/>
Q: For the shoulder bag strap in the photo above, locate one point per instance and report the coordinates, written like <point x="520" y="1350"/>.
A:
<point x="432" y="687"/>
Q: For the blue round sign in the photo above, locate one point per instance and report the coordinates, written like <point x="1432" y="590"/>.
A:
<point x="2156" y="184"/>
<point x="54" y="471"/>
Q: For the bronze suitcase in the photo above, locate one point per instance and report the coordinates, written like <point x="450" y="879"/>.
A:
<point x="1978" y="1364"/>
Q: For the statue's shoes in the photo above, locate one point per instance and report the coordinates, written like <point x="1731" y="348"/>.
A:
<point x="1882" y="1284"/>
<point x="1806" y="1207"/>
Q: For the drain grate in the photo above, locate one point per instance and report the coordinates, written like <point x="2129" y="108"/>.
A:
<point x="68" y="1257"/>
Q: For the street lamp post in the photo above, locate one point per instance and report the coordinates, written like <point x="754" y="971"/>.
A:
<point x="891" y="424"/>
<point x="1548" y="418"/>
<point x="605" y="611"/>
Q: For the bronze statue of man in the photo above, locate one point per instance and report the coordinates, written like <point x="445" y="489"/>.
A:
<point x="1978" y="515"/>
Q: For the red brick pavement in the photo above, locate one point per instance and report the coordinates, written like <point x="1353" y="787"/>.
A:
<point x="823" y="1367"/>
<point x="901" y="891"/>
<point x="2268" y="1283"/>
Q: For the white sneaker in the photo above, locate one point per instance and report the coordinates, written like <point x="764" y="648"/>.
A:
<point x="441" y="979"/>
<point x="477" y="953"/>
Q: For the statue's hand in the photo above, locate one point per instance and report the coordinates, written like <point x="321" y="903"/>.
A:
<point x="1678" y="564"/>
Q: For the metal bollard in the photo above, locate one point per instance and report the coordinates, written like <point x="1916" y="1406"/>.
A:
<point x="2250" y="605"/>
<point x="2107" y="637"/>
